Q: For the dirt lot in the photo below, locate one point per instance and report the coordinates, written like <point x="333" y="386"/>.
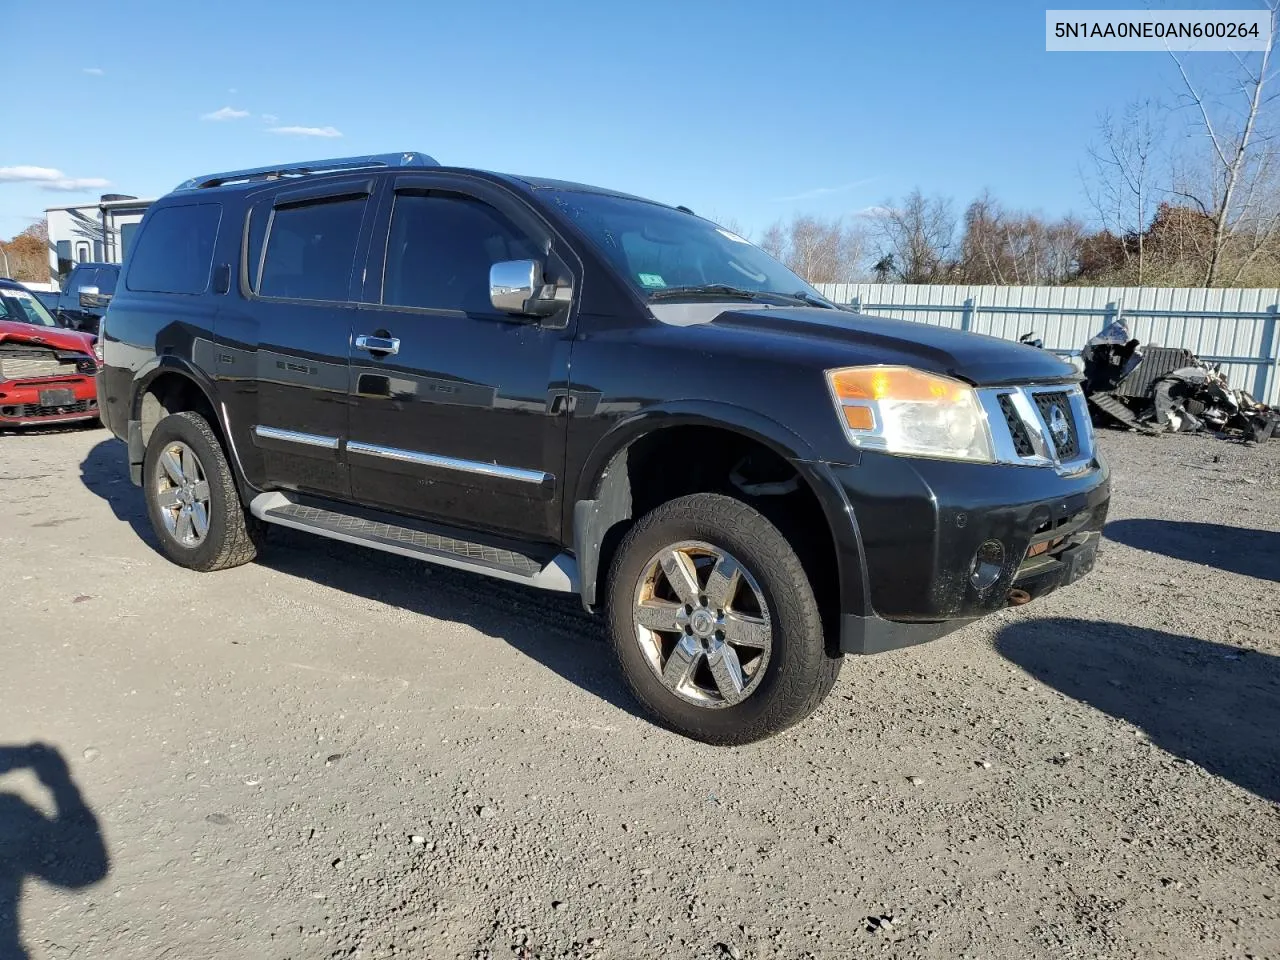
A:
<point x="335" y="753"/>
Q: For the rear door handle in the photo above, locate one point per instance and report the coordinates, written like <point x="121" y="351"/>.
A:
<point x="383" y="345"/>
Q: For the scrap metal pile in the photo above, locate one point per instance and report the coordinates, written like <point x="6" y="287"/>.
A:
<point x="1167" y="390"/>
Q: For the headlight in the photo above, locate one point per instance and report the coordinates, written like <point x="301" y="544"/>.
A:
<point x="910" y="412"/>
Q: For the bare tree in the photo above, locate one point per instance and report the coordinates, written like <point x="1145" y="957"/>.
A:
<point x="916" y="238"/>
<point x="1004" y="247"/>
<point x="1231" y="181"/>
<point x="819" y="250"/>
<point x="1122" y="189"/>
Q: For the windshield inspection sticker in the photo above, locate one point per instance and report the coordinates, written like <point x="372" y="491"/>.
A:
<point x="651" y="280"/>
<point x="730" y="236"/>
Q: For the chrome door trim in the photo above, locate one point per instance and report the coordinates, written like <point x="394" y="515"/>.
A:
<point x="293" y="436"/>
<point x="449" y="463"/>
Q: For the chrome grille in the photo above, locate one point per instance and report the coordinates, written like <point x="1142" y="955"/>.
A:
<point x="1040" y="426"/>
<point x="1055" y="411"/>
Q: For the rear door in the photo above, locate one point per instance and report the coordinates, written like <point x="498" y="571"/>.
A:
<point x="465" y="422"/>
<point x="283" y="347"/>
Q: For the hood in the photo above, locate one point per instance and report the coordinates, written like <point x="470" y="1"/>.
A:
<point x="56" y="338"/>
<point x="857" y="338"/>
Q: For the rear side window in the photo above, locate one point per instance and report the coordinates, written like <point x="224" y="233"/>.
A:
<point x="174" y="253"/>
<point x="310" y="250"/>
<point x="82" y="277"/>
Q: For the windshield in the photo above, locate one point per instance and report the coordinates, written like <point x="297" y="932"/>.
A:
<point x="659" y="248"/>
<point x="21" y="306"/>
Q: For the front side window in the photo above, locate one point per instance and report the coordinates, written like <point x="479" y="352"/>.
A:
<point x="440" y="248"/>
<point x="107" y="278"/>
<point x="174" y="251"/>
<point x="662" y="251"/>
<point x="310" y="250"/>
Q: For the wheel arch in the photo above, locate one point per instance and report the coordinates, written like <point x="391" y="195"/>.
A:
<point x="607" y="502"/>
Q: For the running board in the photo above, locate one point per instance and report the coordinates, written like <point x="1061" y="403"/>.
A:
<point x="420" y="542"/>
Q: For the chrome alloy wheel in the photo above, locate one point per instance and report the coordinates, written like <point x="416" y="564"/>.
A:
<point x="182" y="494"/>
<point x="702" y="624"/>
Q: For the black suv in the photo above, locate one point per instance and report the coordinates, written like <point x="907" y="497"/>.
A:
<point x="85" y="295"/>
<point x="588" y="392"/>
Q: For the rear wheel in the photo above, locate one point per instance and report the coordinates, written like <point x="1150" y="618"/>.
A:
<point x="714" y="622"/>
<point x="191" y="497"/>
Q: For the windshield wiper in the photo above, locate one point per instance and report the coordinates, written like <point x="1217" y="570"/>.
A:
<point x="728" y="290"/>
<point x="810" y="299"/>
<point x="707" y="289"/>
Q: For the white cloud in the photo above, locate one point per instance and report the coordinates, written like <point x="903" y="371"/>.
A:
<point x="824" y="191"/>
<point x="93" y="71"/>
<point x="50" y="178"/>
<point x="226" y="113"/>
<point x="307" y="131"/>
<point x="270" y="118"/>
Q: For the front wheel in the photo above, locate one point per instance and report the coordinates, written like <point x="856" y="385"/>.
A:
<point x="191" y="497"/>
<point x="714" y="622"/>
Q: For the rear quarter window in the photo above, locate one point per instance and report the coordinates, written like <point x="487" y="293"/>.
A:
<point x="174" y="251"/>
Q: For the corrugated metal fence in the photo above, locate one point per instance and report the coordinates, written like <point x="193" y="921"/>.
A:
<point x="1238" y="329"/>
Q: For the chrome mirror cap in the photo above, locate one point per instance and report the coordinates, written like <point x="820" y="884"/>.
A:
<point x="513" y="283"/>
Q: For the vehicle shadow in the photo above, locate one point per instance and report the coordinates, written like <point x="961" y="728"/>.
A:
<point x="1213" y="704"/>
<point x="65" y="850"/>
<point x="1255" y="553"/>
<point x="551" y="628"/>
<point x="105" y="472"/>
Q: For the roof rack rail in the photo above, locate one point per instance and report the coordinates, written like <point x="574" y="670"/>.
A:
<point x="408" y="158"/>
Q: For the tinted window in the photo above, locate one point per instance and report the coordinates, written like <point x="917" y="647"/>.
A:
<point x="440" y="250"/>
<point x="174" y="252"/>
<point x="310" y="251"/>
<point x="107" y="278"/>
<point x="82" y="278"/>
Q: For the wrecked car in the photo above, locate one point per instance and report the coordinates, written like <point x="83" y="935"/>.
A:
<point x="1156" y="389"/>
<point x="46" y="371"/>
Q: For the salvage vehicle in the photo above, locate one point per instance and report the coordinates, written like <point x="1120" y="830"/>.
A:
<point x="46" y="371"/>
<point x="86" y="294"/>
<point x="584" y="391"/>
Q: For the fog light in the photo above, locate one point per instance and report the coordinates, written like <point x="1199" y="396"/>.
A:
<point x="987" y="565"/>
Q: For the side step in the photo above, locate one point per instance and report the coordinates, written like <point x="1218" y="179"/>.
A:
<point x="418" y="540"/>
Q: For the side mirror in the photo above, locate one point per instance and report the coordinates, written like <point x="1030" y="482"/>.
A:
<point x="516" y="287"/>
<point x="89" y="297"/>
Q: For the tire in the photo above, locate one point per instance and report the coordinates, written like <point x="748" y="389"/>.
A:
<point x="231" y="535"/>
<point x="792" y="673"/>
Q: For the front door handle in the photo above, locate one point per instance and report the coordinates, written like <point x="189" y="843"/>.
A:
<point x="384" y="345"/>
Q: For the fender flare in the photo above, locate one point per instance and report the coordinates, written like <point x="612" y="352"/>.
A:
<point x="146" y="375"/>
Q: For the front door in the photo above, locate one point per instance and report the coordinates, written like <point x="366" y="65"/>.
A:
<point x="455" y="411"/>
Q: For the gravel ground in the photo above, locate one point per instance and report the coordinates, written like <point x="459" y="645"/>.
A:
<point x="337" y="753"/>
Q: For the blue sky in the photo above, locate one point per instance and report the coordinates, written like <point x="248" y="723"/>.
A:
<point x="750" y="110"/>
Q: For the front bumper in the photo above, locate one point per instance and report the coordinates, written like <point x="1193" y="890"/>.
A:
<point x="914" y="527"/>
<point x="21" y="404"/>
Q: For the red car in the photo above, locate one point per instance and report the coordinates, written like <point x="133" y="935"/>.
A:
<point x="46" y="371"/>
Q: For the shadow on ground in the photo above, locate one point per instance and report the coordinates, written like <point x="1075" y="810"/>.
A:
<point x="1255" y="553"/>
<point x="64" y="850"/>
<point x="550" y="628"/>
<point x="1216" y="705"/>
<point x="105" y="472"/>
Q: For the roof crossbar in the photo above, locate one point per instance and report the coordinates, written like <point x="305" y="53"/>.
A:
<point x="408" y="158"/>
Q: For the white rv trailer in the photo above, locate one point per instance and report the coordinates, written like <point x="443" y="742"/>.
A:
<point x="99" y="232"/>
